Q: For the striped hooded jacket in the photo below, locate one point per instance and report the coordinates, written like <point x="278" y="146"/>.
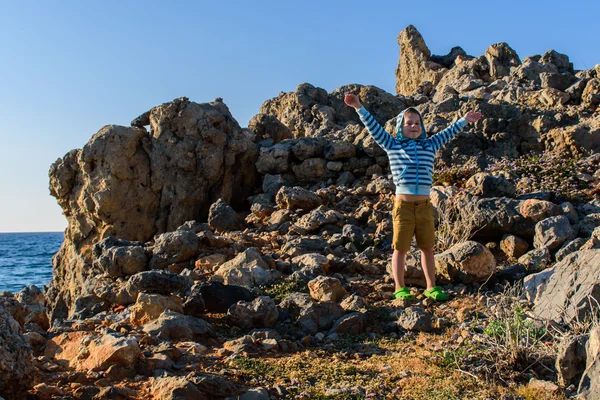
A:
<point x="411" y="160"/>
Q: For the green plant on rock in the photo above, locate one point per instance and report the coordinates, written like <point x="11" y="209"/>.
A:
<point x="280" y="289"/>
<point x="516" y="330"/>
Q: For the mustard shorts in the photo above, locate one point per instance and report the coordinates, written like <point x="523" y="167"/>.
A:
<point x="413" y="218"/>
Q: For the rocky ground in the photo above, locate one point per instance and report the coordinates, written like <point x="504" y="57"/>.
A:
<point x="203" y="260"/>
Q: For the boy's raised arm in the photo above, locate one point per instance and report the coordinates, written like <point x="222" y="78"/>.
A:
<point x="381" y="137"/>
<point x="441" y="138"/>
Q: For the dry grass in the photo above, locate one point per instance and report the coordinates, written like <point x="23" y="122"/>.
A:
<point x="454" y="227"/>
<point x="383" y="369"/>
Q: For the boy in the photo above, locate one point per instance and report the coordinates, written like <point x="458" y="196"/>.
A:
<point x="411" y="155"/>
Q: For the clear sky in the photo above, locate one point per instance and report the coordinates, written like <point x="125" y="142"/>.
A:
<point x="70" y="67"/>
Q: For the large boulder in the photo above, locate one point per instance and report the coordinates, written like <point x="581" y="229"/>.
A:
<point x="589" y="386"/>
<point x="501" y="58"/>
<point x="16" y="358"/>
<point x="573" y="289"/>
<point x="132" y="184"/>
<point x="466" y="262"/>
<point x="414" y="62"/>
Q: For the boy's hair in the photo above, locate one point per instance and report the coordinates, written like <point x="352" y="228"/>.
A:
<point x="411" y="111"/>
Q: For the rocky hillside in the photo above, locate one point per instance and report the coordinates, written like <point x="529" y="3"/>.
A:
<point x="206" y="260"/>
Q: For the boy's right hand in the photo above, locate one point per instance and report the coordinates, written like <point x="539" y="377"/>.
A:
<point x="352" y="100"/>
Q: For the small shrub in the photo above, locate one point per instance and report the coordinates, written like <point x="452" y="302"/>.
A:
<point x="280" y="289"/>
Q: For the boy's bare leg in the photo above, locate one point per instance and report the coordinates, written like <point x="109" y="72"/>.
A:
<point x="398" y="261"/>
<point x="428" y="264"/>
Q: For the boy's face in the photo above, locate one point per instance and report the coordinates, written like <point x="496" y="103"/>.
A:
<point x="412" y="126"/>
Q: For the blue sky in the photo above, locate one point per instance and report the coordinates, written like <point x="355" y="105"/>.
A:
<point x="70" y="67"/>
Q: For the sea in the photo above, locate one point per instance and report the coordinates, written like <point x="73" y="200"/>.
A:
<point x="26" y="259"/>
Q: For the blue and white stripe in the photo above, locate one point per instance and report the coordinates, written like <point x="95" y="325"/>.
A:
<point x="411" y="161"/>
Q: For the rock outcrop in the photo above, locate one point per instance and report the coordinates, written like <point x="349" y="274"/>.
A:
<point x="132" y="184"/>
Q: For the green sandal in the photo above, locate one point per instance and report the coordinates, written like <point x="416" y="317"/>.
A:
<point x="403" y="293"/>
<point x="436" y="293"/>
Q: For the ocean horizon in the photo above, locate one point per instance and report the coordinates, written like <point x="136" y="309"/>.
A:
<point x="26" y="259"/>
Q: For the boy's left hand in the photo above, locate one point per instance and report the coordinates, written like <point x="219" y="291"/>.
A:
<point x="472" y="116"/>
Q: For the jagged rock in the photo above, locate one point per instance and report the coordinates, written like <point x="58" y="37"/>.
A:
<point x="87" y="306"/>
<point x="572" y="289"/>
<point x="17" y="371"/>
<point x="553" y="97"/>
<point x="304" y="245"/>
<point x="269" y="127"/>
<point x="588" y="224"/>
<point x="353" y="324"/>
<point x="414" y="63"/>
<point x="176" y="388"/>
<point x="174" y="326"/>
<point x="312" y="170"/>
<point x="259" y="313"/>
<point x="591" y="94"/>
<point x="216" y="385"/>
<point x="246" y="269"/>
<point x="501" y="58"/>
<point x="589" y="386"/>
<point x="560" y="61"/>
<point x="319" y="316"/>
<point x="569" y="247"/>
<point x="115" y="293"/>
<point x="593" y="242"/>
<point x="221" y="217"/>
<point x="574" y="139"/>
<point x="324" y="288"/>
<point x="449" y="59"/>
<point x="275" y="159"/>
<point x="570" y="360"/>
<point x="194" y="303"/>
<point x="218" y="297"/>
<point x="149" y="307"/>
<point x="307" y="148"/>
<point x="356" y="235"/>
<point x="311" y="260"/>
<point x="354" y="303"/>
<point x="174" y="247"/>
<point x="262" y="205"/>
<point x="131" y="184"/>
<point x="466" y="262"/>
<point x="296" y="301"/>
<point x="255" y="394"/>
<point x="487" y="185"/>
<point x="85" y="351"/>
<point x="297" y="198"/>
<point x="339" y="150"/>
<point x="119" y="257"/>
<point x="557" y="81"/>
<point x="461" y="76"/>
<point x="306" y="112"/>
<point x="570" y="212"/>
<point x="16" y="310"/>
<point x="536" y="260"/>
<point x="161" y="282"/>
<point x="513" y="246"/>
<point x="315" y="219"/>
<point x="416" y="319"/>
<point x="531" y="70"/>
<point x="272" y="183"/>
<point x="552" y="233"/>
<point x="31" y="295"/>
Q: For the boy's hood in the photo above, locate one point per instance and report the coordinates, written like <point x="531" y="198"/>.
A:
<point x="400" y="123"/>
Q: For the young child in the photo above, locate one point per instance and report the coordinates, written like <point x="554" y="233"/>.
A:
<point x="411" y="155"/>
